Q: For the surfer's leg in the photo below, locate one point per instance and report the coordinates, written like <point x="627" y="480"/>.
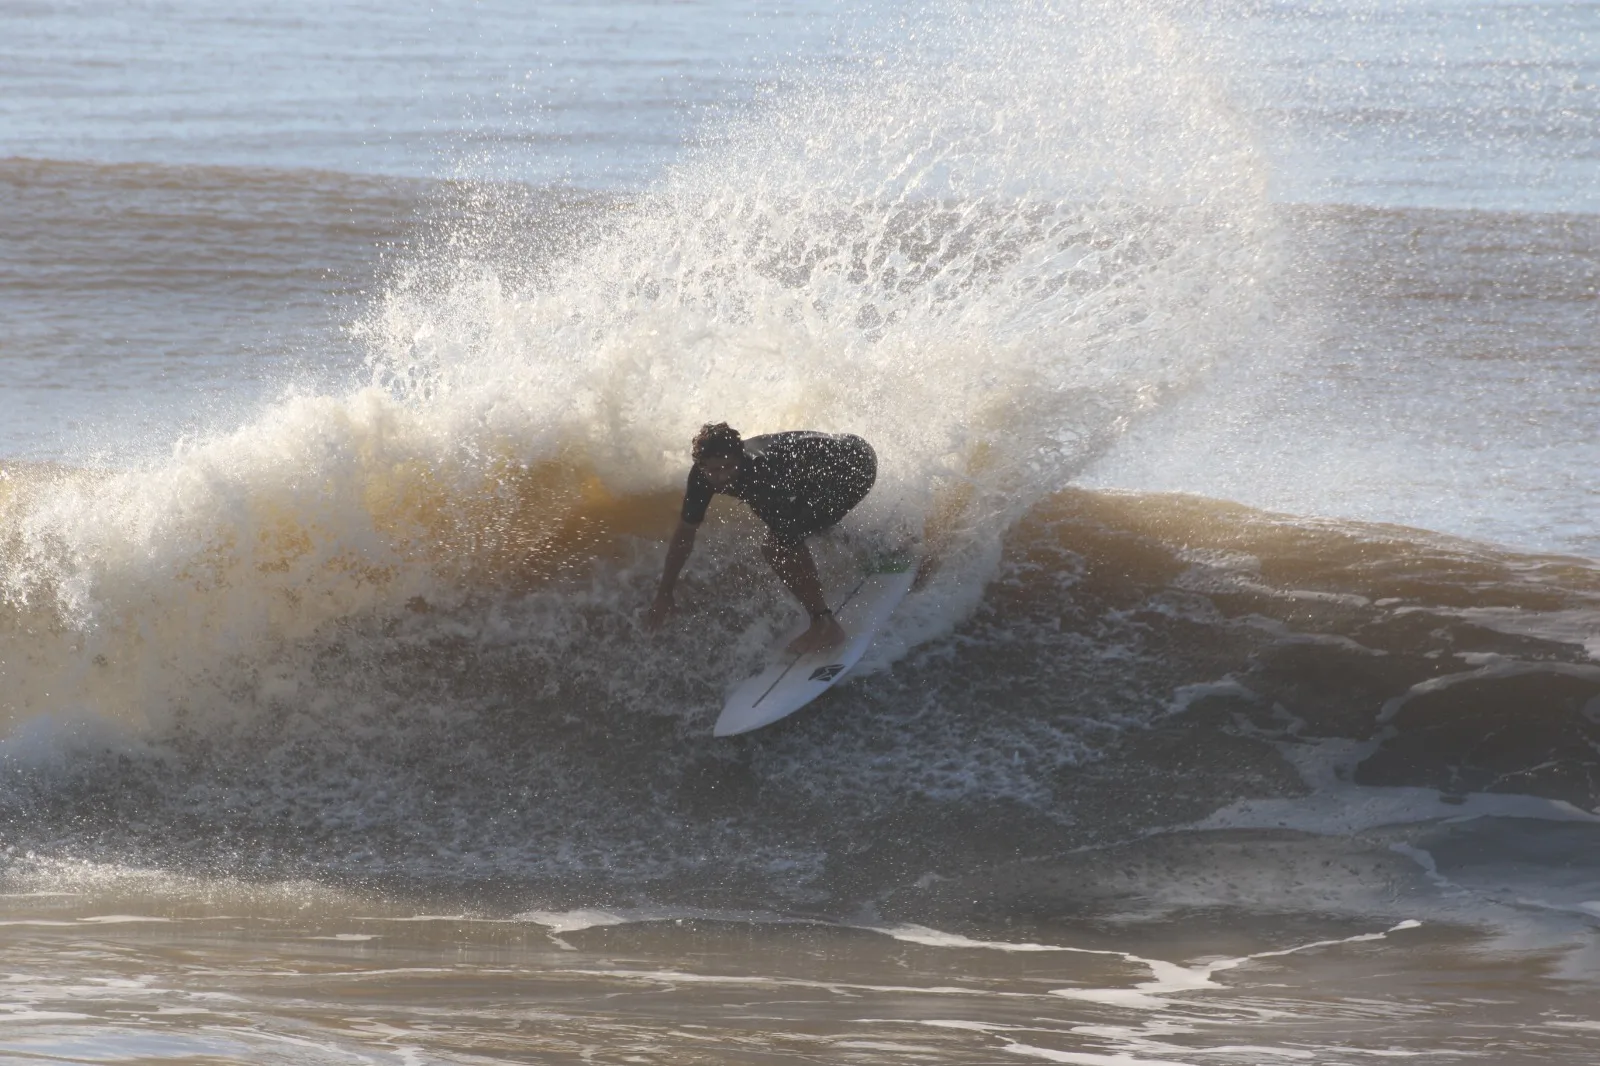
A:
<point x="853" y="474"/>
<point x="792" y="561"/>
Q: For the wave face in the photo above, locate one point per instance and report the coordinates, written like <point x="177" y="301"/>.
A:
<point x="1142" y="674"/>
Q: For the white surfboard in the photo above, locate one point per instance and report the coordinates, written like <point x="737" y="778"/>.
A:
<point x="791" y="681"/>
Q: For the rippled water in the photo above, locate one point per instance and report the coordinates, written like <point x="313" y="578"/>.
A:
<point x="378" y="985"/>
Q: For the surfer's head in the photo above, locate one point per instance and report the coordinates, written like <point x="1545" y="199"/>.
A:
<point x="718" y="449"/>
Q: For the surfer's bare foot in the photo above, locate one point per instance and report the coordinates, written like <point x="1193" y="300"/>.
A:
<point x="659" y="611"/>
<point x="825" y="632"/>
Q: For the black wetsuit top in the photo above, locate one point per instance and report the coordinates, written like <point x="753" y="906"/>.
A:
<point x="798" y="483"/>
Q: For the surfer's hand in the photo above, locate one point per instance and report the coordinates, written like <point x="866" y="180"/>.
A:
<point x="659" y="610"/>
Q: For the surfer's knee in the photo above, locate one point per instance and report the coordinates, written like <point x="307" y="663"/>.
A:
<point x="786" y="554"/>
<point x="776" y="549"/>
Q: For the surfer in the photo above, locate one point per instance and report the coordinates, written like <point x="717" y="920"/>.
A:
<point x="798" y="483"/>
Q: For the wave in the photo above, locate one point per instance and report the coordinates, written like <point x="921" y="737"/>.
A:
<point x="1140" y="669"/>
<point x="884" y="253"/>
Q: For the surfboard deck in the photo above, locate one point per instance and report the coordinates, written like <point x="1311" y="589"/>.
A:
<point x="791" y="681"/>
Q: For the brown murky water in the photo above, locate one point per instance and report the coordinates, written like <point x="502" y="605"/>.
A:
<point x="261" y="977"/>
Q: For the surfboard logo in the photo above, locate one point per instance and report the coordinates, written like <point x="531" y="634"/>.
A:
<point x="826" y="673"/>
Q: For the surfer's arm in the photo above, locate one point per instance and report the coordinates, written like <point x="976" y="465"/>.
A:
<point x="677" y="554"/>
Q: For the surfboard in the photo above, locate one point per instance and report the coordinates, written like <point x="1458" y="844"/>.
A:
<point x="791" y="681"/>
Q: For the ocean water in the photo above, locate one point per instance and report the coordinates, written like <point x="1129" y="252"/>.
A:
<point x="1237" y="361"/>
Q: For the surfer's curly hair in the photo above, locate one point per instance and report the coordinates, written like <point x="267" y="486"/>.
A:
<point x="717" y="440"/>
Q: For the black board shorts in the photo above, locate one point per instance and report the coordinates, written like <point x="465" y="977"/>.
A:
<point x="852" y="472"/>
